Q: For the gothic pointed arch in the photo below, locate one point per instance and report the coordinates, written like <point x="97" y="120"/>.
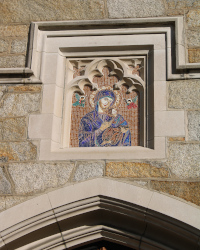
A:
<point x="101" y="209"/>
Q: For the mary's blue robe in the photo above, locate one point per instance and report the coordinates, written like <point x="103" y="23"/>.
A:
<point x="90" y="134"/>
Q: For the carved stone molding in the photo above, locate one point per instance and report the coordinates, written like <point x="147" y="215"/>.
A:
<point x="92" y="210"/>
<point x="110" y="42"/>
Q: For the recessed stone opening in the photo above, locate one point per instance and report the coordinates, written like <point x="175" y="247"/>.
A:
<point x="126" y="82"/>
<point x="53" y="51"/>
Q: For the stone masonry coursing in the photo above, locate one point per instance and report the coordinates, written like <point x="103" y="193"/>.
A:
<point x="22" y="176"/>
<point x="16" y="17"/>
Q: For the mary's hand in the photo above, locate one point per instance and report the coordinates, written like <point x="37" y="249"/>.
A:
<point x="124" y="130"/>
<point x="105" y="125"/>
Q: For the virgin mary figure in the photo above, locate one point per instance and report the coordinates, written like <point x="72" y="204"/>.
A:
<point x="103" y="127"/>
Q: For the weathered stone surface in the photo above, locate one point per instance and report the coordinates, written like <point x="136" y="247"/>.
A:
<point x="19" y="46"/>
<point x="2" y="91"/>
<point x="174" y="12"/>
<point x="36" y="177"/>
<point x="14" y="30"/>
<point x="134" y="170"/>
<point x="14" y="128"/>
<point x="193" y="18"/>
<point x="4" y="45"/>
<point x="184" y="159"/>
<point x="194" y="125"/>
<point x="19" y="104"/>
<point x="17" y="151"/>
<point x="12" y="61"/>
<point x="193" y="38"/>
<point x="24" y="88"/>
<point x="5" y="186"/>
<point x="177" y="139"/>
<point x="194" y="55"/>
<point x="18" y="11"/>
<point x="78" y="9"/>
<point x="141" y="183"/>
<point x="189" y="191"/>
<point x="87" y="170"/>
<point x="11" y="201"/>
<point x="184" y="94"/>
<point x="2" y="203"/>
<point x="25" y="11"/>
<point x="136" y="8"/>
<point x="181" y="4"/>
<point x="1" y="130"/>
<point x="5" y="152"/>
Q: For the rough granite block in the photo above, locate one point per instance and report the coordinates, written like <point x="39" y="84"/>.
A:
<point x="134" y="170"/>
<point x="14" y="61"/>
<point x="5" y="186"/>
<point x="25" y="11"/>
<point x="23" y="151"/>
<point x="19" y="46"/>
<point x="174" y="12"/>
<point x="17" y="151"/>
<point x="180" y="4"/>
<point x="14" y="128"/>
<point x="193" y="38"/>
<point x="194" y="125"/>
<point x="136" y="8"/>
<point x="184" y="159"/>
<point x="25" y="88"/>
<point x="194" y="55"/>
<point x="19" y="104"/>
<point x="193" y="18"/>
<point x="176" y="138"/>
<point x="14" y="30"/>
<point x="4" y="45"/>
<point x="184" y="94"/>
<point x="189" y="191"/>
<point x="32" y="178"/>
<point x="87" y="170"/>
<point x="78" y="9"/>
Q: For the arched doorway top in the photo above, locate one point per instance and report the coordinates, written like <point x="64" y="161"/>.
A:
<point x="92" y="199"/>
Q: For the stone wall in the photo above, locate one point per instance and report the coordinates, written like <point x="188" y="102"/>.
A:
<point x="22" y="176"/>
<point x="16" y="16"/>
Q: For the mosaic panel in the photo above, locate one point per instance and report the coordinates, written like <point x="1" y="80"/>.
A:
<point x="104" y="117"/>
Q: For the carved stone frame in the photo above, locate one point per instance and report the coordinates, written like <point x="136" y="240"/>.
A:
<point x="53" y="43"/>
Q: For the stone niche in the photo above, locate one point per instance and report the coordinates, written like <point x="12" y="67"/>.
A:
<point x="120" y="78"/>
<point x="127" y="61"/>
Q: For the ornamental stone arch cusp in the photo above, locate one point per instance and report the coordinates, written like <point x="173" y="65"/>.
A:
<point x="118" y="68"/>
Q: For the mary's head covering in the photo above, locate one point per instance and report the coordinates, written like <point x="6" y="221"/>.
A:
<point x="104" y="93"/>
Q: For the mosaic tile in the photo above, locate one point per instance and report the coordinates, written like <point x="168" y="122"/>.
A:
<point x="105" y="117"/>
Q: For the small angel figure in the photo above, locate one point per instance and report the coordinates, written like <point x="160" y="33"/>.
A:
<point x="131" y="102"/>
<point x="80" y="101"/>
